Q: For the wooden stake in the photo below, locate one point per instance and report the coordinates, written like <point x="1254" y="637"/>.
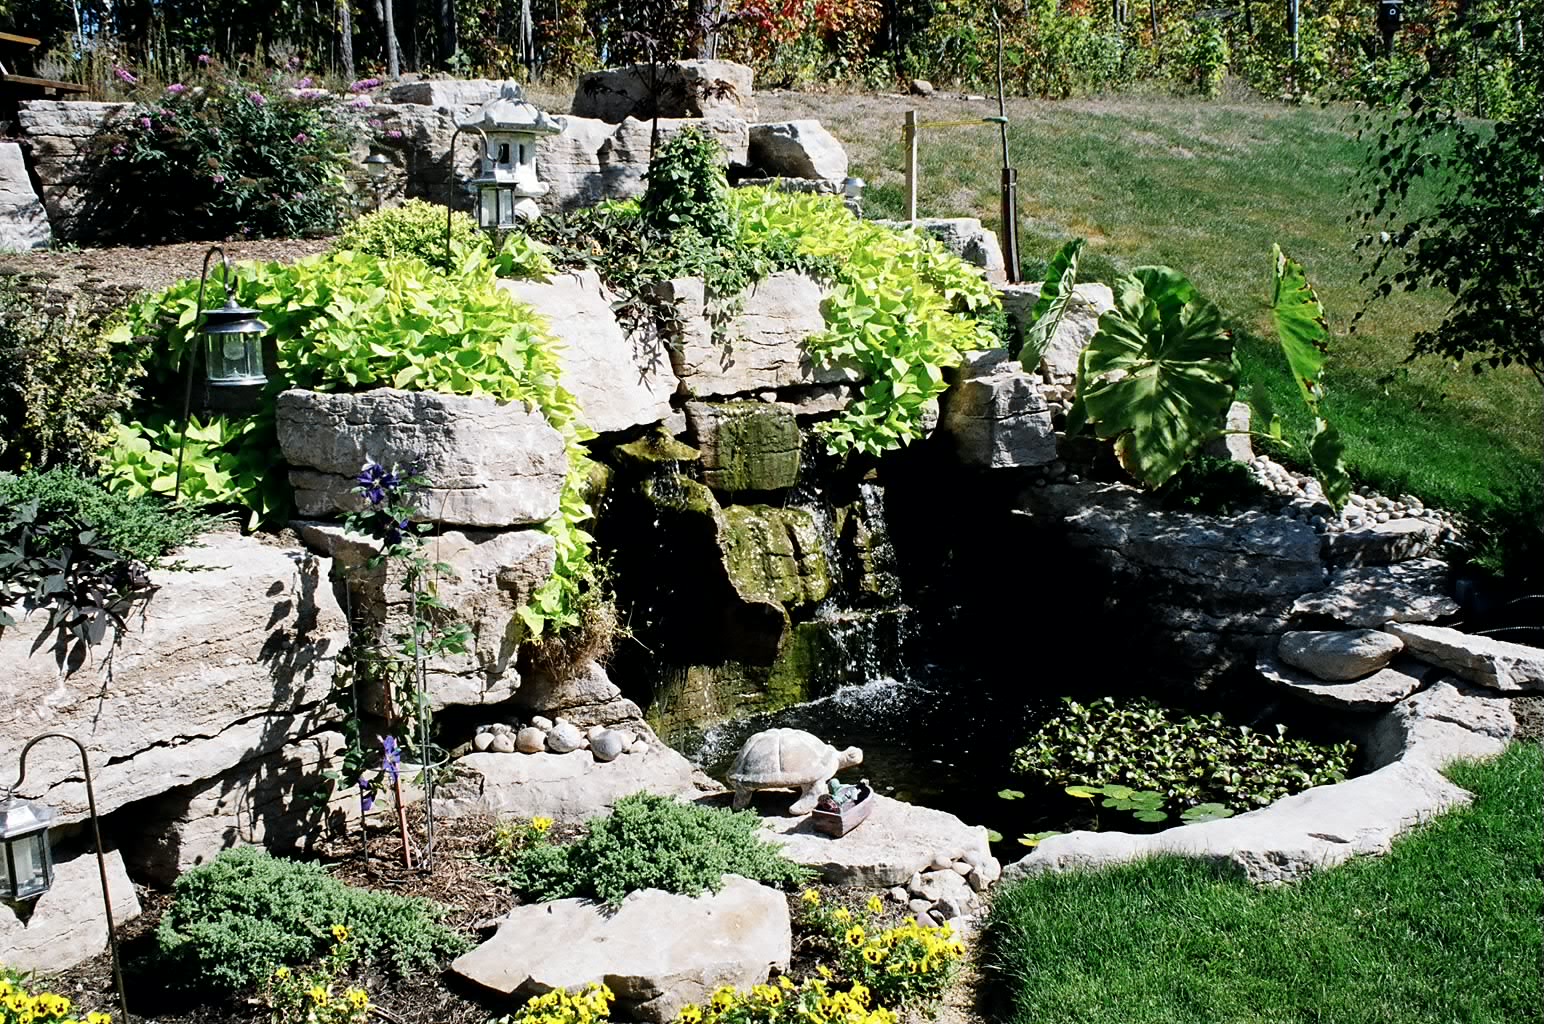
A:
<point x="910" y="138"/>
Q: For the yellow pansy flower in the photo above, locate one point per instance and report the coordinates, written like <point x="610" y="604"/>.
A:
<point x="875" y="905"/>
<point x="318" y="994"/>
<point x="810" y="897"/>
<point x="842" y="914"/>
<point x="541" y="824"/>
<point x="339" y="933"/>
<point x="358" y="998"/>
<point x="690" y="1015"/>
<point x="854" y="935"/>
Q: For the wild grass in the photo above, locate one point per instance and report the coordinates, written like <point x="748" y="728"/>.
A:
<point x="1444" y="928"/>
<point x="1206" y="187"/>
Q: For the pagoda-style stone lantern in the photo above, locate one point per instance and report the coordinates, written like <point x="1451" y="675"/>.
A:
<point x="507" y="185"/>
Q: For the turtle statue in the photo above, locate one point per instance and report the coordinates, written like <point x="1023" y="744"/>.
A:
<point x="788" y="759"/>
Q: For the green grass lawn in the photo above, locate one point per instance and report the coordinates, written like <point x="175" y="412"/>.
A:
<point x="1445" y="928"/>
<point x="1206" y="187"/>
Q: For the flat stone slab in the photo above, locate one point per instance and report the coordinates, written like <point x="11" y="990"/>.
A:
<point x="1338" y="655"/>
<point x="1495" y="664"/>
<point x="1286" y="841"/>
<point x="657" y="952"/>
<point x="1398" y="540"/>
<point x="1447" y="722"/>
<point x="565" y="787"/>
<point x="1413" y="591"/>
<point x="897" y="841"/>
<point x="1384" y="688"/>
<point x="68" y="925"/>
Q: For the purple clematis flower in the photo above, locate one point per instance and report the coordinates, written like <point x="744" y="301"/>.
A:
<point x="391" y="759"/>
<point x="366" y="794"/>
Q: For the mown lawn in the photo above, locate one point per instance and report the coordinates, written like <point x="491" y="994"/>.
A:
<point x="1206" y="187"/>
<point x="1445" y="928"/>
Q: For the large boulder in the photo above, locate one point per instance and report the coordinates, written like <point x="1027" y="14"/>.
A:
<point x="267" y="801"/>
<point x="1413" y="591"/>
<point x="657" y="952"/>
<point x="488" y="463"/>
<point x="996" y="415"/>
<point x="1338" y="655"/>
<point x="624" y="156"/>
<point x="584" y="694"/>
<point x="230" y="658"/>
<point x="488" y="576"/>
<point x="797" y="149"/>
<point x="1448" y="721"/>
<point x="23" y="221"/>
<point x="685" y="89"/>
<point x="745" y="446"/>
<point x="58" y="135"/>
<point x="619" y="383"/>
<point x="895" y="842"/>
<point x="1080" y="322"/>
<point x="567" y="787"/>
<point x="1288" y="840"/>
<point x="569" y="162"/>
<point x="762" y="349"/>
<point x="1398" y="540"/>
<point x="1494" y="664"/>
<point x="447" y="93"/>
<point x="67" y="925"/>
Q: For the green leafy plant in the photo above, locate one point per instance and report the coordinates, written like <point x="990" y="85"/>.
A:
<point x="62" y="379"/>
<point x="1188" y="760"/>
<point x="651" y="842"/>
<point x="687" y="189"/>
<point x="231" y="921"/>
<point x="414" y="229"/>
<point x="1159" y="376"/>
<point x="1211" y="485"/>
<point x="226" y="461"/>
<point x="1145" y="805"/>
<point x="1055" y="295"/>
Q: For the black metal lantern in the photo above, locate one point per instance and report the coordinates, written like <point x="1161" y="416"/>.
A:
<point x="26" y="862"/>
<point x="1391" y="15"/>
<point x="233" y="347"/>
<point x="376" y="166"/>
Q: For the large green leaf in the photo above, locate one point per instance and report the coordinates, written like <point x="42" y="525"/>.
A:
<point x="1055" y="295"/>
<point x="1159" y="375"/>
<point x="1326" y="452"/>
<point x="1300" y="325"/>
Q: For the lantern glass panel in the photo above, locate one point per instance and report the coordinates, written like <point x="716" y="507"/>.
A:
<point x="488" y="206"/>
<point x="506" y="208"/>
<point x="26" y="862"/>
<point x="235" y="358"/>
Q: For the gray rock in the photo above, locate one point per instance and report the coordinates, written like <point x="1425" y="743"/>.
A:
<point x="1480" y="660"/>
<point x="684" y="89"/>
<point x="607" y="745"/>
<point x="1384" y="688"/>
<point x="919" y="905"/>
<point x="921" y="87"/>
<point x="1234" y="443"/>
<point x="1413" y="591"/>
<point x="224" y="663"/>
<point x="447" y="93"/>
<point x="746" y="446"/>
<point x="67" y="924"/>
<point x="797" y="149"/>
<point x="624" y="156"/>
<point x="23" y="221"/>
<point x="482" y="741"/>
<point x="544" y="723"/>
<point x="1446" y="722"/>
<point x="560" y="786"/>
<point x="256" y="802"/>
<point x="489" y="464"/>
<point x="1079" y="323"/>
<point x="764" y="347"/>
<point x="530" y="740"/>
<point x="569" y="163"/>
<point x="967" y="239"/>
<point x="657" y="952"/>
<point x="564" y="738"/>
<point x="490" y="575"/>
<point x="1336" y="656"/>
<point x="584" y="695"/>
<point x="58" y="136"/>
<point x="1315" y="829"/>
<point x="1382" y="543"/>
<point x="996" y="415"/>
<point x="896" y="843"/>
<point x="617" y="382"/>
<point x="503" y="743"/>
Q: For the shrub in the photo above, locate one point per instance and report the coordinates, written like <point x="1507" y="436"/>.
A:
<point x="140" y="528"/>
<point x="1189" y="759"/>
<point x="910" y="965"/>
<point x="651" y="842"/>
<point x="61" y="380"/>
<point x="415" y="229"/>
<point x="19" y="1006"/>
<point x="232" y="920"/>
<point x="222" y="156"/>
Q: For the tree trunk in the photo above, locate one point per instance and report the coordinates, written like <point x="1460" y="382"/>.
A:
<point x="449" y="43"/>
<point x="346" y="39"/>
<point x="393" y="55"/>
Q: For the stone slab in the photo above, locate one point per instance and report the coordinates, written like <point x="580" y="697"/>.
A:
<point x="23" y="221"/>
<point x="797" y="149"/>
<point x="1079" y="323"/>
<point x="657" y="952"/>
<point x="1446" y="722"/>
<point x="746" y="446"/>
<point x="68" y="923"/>
<point x="996" y="415"/>
<point x="1398" y="540"/>
<point x="618" y="382"/>
<point x="1495" y="664"/>
<point x="566" y="787"/>
<point x="683" y="89"/>
<point x="1382" y="689"/>
<point x="895" y="842"/>
<point x="1412" y="591"/>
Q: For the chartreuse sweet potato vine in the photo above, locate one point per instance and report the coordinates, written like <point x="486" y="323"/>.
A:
<point x="347" y="321"/>
<point x="904" y="309"/>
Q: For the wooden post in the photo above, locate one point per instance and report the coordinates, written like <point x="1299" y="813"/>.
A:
<point x="910" y="138"/>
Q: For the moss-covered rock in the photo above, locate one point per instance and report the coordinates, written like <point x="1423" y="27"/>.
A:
<point x="774" y="555"/>
<point x="746" y="446"/>
<point x="655" y="450"/>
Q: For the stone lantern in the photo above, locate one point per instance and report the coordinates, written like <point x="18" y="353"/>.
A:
<point x="506" y="184"/>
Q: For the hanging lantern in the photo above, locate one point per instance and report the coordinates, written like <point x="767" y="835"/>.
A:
<point x="26" y="862"/>
<point x="376" y="166"/>
<point x="507" y="185"/>
<point x="233" y="346"/>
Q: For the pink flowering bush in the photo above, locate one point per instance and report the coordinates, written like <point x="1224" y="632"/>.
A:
<point x="219" y="156"/>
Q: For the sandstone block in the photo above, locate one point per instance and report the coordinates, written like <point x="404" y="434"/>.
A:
<point x="797" y="149"/>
